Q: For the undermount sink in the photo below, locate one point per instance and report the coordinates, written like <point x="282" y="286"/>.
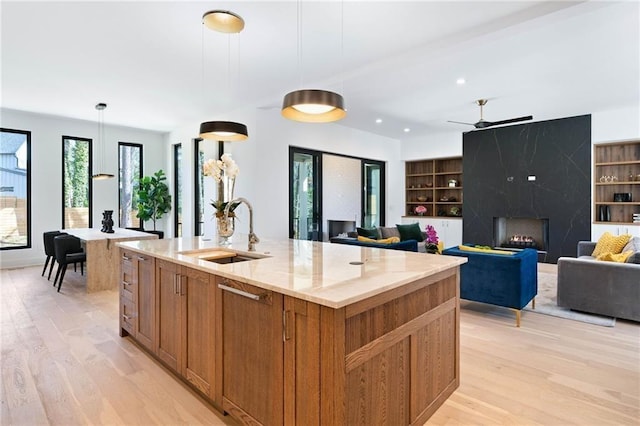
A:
<point x="221" y="256"/>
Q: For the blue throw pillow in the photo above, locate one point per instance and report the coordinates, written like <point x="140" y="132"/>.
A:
<point x="410" y="232"/>
<point x="368" y="233"/>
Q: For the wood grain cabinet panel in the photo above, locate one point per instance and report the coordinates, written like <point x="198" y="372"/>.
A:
<point x="252" y="359"/>
<point x="186" y="323"/>
<point x="146" y="300"/>
<point x="169" y="314"/>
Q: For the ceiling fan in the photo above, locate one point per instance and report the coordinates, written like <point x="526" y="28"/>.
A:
<point x="482" y="123"/>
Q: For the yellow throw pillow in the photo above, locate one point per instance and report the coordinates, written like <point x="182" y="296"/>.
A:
<point x="485" y="250"/>
<point x="610" y="244"/>
<point x="620" y="257"/>
<point x="389" y="240"/>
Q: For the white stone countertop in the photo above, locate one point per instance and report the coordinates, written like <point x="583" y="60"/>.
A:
<point x="316" y="272"/>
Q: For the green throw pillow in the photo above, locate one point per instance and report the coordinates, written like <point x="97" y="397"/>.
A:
<point x="410" y="232"/>
<point x="369" y="233"/>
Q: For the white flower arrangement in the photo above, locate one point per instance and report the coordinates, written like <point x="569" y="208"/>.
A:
<point x="224" y="167"/>
<point x="223" y="170"/>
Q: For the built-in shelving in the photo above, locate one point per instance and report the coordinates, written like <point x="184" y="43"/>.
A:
<point x="616" y="171"/>
<point x="436" y="185"/>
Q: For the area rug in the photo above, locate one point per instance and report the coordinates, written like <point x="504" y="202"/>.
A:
<point x="546" y="303"/>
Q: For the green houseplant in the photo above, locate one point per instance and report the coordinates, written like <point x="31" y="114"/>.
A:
<point x="153" y="198"/>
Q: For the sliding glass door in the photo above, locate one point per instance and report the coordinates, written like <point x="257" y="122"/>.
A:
<point x="373" y="194"/>
<point x="305" y="204"/>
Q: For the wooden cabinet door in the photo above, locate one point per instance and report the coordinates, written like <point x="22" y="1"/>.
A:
<point x="169" y="311"/>
<point x="146" y="298"/>
<point x="252" y="359"/>
<point x="302" y="364"/>
<point x="199" y="336"/>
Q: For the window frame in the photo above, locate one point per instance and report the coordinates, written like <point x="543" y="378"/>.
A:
<point x="177" y="184"/>
<point x="90" y="191"/>
<point x="27" y="134"/>
<point x="140" y="175"/>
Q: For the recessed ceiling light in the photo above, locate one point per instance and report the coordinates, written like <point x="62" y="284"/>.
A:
<point x="407" y="130"/>
<point x="461" y="81"/>
<point x="378" y="120"/>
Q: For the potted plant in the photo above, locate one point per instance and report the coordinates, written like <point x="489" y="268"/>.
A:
<point x="153" y="199"/>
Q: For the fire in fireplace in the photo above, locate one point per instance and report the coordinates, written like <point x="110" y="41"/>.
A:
<point x="520" y="233"/>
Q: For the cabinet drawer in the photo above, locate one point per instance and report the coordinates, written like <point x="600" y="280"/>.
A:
<point x="127" y="315"/>
<point x="128" y="289"/>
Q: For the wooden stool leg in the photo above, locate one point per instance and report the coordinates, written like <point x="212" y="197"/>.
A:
<point x="518" y="317"/>
<point x="533" y="303"/>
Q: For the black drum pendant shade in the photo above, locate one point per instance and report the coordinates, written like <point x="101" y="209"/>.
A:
<point x="227" y="131"/>
<point x="313" y="106"/>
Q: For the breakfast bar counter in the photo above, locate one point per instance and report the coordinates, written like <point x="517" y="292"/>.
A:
<point x="298" y="332"/>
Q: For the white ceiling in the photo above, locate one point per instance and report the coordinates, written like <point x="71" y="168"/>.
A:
<point x="157" y="68"/>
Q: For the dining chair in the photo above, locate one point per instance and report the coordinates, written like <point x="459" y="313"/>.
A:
<point x="49" y="250"/>
<point x="68" y="249"/>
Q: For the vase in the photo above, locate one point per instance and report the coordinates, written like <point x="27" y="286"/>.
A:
<point x="225" y="227"/>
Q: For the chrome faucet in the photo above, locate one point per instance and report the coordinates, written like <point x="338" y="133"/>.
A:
<point x="253" y="238"/>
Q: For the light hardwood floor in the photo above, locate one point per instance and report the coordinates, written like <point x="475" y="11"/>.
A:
<point x="63" y="363"/>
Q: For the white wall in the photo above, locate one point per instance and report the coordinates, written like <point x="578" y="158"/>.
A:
<point x="264" y="166"/>
<point x="341" y="190"/>
<point x="46" y="172"/>
<point x="606" y="126"/>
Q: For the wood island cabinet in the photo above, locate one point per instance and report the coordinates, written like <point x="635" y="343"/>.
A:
<point x="186" y="323"/>
<point x="137" y="297"/>
<point x="251" y="352"/>
<point x="268" y="358"/>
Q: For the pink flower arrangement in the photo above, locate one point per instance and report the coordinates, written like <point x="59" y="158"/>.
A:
<point x="420" y="210"/>
<point x="432" y="235"/>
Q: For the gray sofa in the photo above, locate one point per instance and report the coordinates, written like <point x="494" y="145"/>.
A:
<point x="599" y="287"/>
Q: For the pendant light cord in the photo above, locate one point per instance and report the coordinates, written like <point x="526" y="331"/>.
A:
<point x="342" y="47"/>
<point x="299" y="36"/>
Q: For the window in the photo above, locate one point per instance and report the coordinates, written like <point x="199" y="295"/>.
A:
<point x="76" y="182"/>
<point x="205" y="149"/>
<point x="177" y="190"/>
<point x="15" y="194"/>
<point x="130" y="173"/>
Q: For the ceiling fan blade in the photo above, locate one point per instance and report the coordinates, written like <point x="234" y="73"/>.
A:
<point x="459" y="122"/>
<point x="511" y="120"/>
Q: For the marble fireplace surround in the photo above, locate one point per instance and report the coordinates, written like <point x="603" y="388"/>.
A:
<point x="538" y="170"/>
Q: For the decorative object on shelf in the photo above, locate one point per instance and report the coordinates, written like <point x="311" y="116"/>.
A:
<point x="107" y="221"/>
<point x="630" y="176"/>
<point x="444" y="199"/>
<point x="622" y="197"/>
<point x="429" y="184"/>
<point x="454" y="211"/>
<point x="453" y="183"/>
<point x="422" y="198"/>
<point x="604" y="214"/>
<point x="431" y="240"/>
<point x="224" y="172"/>
<point x="153" y="199"/>
<point x="420" y="210"/>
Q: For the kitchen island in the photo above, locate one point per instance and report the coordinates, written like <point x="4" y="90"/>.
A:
<point x="298" y="332"/>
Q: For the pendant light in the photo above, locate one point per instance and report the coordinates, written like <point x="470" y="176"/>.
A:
<point x="101" y="175"/>
<point x="226" y="22"/>
<point x="314" y="105"/>
<point x="223" y="21"/>
<point x="223" y="131"/>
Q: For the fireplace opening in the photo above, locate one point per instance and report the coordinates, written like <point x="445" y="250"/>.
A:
<point x="521" y="233"/>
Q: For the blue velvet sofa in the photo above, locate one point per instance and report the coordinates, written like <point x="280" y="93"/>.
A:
<point x="510" y="281"/>
<point x="408" y="245"/>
